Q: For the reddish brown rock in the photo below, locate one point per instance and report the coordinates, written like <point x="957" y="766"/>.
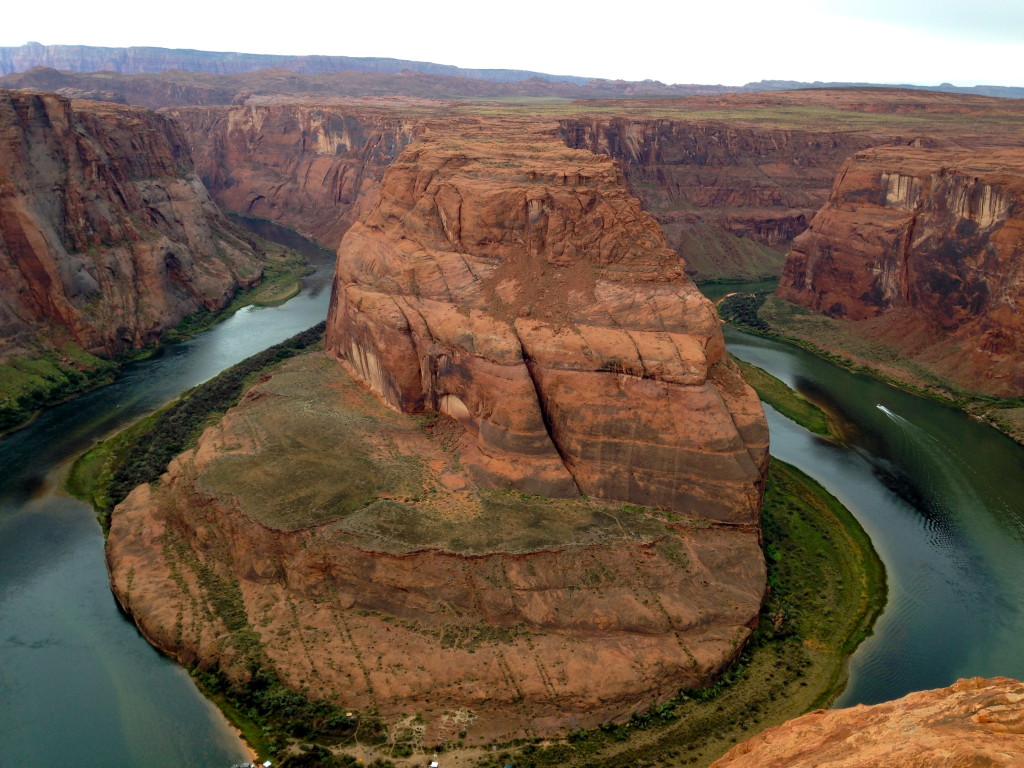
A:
<point x="308" y="164"/>
<point x="974" y="722"/>
<point x="514" y="284"/>
<point x="729" y="197"/>
<point x="337" y="544"/>
<point x="922" y="248"/>
<point x="731" y="179"/>
<point x="106" y="231"/>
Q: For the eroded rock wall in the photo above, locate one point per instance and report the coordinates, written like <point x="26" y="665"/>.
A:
<point x="721" y="190"/>
<point x="924" y="248"/>
<point x="106" y="232"/>
<point x="729" y="198"/>
<point x="307" y="165"/>
<point x="514" y="284"/>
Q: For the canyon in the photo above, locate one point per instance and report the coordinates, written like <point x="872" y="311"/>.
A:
<point x="593" y="482"/>
<point x="730" y="198"/>
<point x="572" y="537"/>
<point x="730" y="179"/>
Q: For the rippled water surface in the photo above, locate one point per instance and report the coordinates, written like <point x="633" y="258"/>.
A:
<point x="942" y="497"/>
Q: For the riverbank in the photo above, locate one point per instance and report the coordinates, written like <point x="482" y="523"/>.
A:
<point x="760" y="313"/>
<point x="33" y="382"/>
<point x="107" y="472"/>
<point x="786" y="401"/>
<point x="280" y="282"/>
<point x="62" y="370"/>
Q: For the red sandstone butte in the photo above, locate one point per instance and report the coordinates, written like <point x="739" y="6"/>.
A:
<point x="514" y="284"/>
<point x="974" y="722"/>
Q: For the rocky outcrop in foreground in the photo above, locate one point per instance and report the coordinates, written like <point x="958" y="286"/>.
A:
<point x="107" y="235"/>
<point x="974" y="722"/>
<point x="515" y="285"/>
<point x="922" y="248"/>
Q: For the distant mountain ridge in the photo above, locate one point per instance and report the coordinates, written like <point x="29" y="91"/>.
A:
<point x="1002" y="91"/>
<point x="144" y="60"/>
<point x="147" y="60"/>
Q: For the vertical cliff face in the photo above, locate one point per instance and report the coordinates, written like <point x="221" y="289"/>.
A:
<point x="728" y="197"/>
<point x="106" y="231"/>
<point x="308" y="166"/>
<point x="515" y="285"/>
<point x="924" y="246"/>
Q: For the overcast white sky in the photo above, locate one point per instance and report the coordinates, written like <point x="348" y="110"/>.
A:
<point x="965" y="42"/>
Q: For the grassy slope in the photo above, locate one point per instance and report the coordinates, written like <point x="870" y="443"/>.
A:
<point x="790" y="404"/>
<point x="55" y="374"/>
<point x="108" y="471"/>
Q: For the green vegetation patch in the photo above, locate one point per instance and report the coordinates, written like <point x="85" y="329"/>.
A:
<point x="827" y="588"/>
<point x="743" y="310"/>
<point x="32" y="382"/>
<point x="786" y="401"/>
<point x="107" y="473"/>
<point x="322" y="449"/>
<point x="280" y="282"/>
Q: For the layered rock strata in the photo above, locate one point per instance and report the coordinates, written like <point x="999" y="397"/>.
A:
<point x="729" y="197"/>
<point x="106" y="231"/>
<point x="308" y="165"/>
<point x="971" y="723"/>
<point x="922" y="248"/>
<point x="515" y="285"/>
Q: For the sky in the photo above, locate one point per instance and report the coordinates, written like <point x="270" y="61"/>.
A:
<point x="925" y="42"/>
